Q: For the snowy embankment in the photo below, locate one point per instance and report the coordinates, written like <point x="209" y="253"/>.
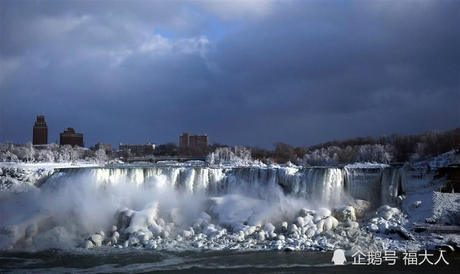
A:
<point x="18" y="177"/>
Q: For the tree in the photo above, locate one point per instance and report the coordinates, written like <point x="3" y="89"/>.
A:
<point x="284" y="153"/>
<point x="169" y="149"/>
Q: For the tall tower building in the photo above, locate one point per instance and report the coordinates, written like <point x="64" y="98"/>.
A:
<point x="40" y="135"/>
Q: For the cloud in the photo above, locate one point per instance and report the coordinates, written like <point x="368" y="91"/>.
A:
<point x="247" y="72"/>
<point x="227" y="9"/>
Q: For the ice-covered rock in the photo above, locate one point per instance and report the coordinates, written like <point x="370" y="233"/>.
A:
<point x="361" y="207"/>
<point x="88" y="244"/>
<point x="284" y="227"/>
<point x="327" y="224"/>
<point x="97" y="239"/>
<point x="344" y="214"/>
<point x="144" y="236"/>
<point x="322" y="213"/>
<point x="417" y="204"/>
<point x="306" y="212"/>
<point x="310" y="232"/>
<point x="124" y="217"/>
<point x="114" y="238"/>
<point x="240" y="236"/>
<point x="388" y="212"/>
<point x="300" y="221"/>
<point x="261" y="236"/>
<point x="133" y="240"/>
<point x="269" y="228"/>
<point x="351" y="224"/>
<point x="188" y="233"/>
<point x="389" y="220"/>
<point x="141" y="220"/>
<point x="272" y="235"/>
<point x="293" y="229"/>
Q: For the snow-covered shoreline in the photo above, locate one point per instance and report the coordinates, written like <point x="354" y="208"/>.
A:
<point x="48" y="165"/>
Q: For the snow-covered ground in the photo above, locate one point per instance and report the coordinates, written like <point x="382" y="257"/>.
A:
<point x="18" y="177"/>
<point x="47" y="165"/>
<point x="443" y="160"/>
<point x="367" y="165"/>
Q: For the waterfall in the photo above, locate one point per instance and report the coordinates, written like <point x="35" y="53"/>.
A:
<point x="393" y="185"/>
<point x="324" y="186"/>
<point x="175" y="198"/>
<point x="378" y="185"/>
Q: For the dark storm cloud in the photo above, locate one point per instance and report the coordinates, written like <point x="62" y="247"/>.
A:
<point x="245" y="73"/>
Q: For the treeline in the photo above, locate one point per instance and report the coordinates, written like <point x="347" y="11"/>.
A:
<point x="383" y="149"/>
<point x="51" y="153"/>
<point x="405" y="148"/>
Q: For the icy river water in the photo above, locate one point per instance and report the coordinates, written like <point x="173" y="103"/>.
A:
<point x="137" y="261"/>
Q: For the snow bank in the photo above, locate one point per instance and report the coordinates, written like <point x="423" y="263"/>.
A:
<point x="446" y="208"/>
<point x="367" y="165"/>
<point x="19" y="177"/>
<point x="238" y="156"/>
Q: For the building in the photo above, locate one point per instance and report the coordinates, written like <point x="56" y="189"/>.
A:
<point x="193" y="141"/>
<point x="198" y="141"/>
<point x="70" y="137"/>
<point x="184" y="140"/>
<point x="40" y="132"/>
<point x="138" y="149"/>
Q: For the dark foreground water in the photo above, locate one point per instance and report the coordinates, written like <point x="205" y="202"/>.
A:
<point x="136" y="261"/>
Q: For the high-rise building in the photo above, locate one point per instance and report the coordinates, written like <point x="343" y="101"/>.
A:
<point x="70" y="137"/>
<point x="184" y="140"/>
<point x="198" y="141"/>
<point x="40" y="133"/>
<point x="193" y="141"/>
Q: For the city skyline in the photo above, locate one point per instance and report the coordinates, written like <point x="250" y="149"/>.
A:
<point x="244" y="73"/>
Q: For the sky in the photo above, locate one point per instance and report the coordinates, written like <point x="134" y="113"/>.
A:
<point x="243" y="72"/>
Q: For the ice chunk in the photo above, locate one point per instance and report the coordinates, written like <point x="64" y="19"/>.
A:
<point x="344" y="213"/>
<point x="269" y="228"/>
<point x="97" y="239"/>
<point x="88" y="244"/>
<point x="115" y="237"/>
<point x="361" y="207"/>
<point x="305" y="212"/>
<point x="284" y="227"/>
<point x="141" y="220"/>
<point x="321" y="214"/>
<point x="261" y="236"/>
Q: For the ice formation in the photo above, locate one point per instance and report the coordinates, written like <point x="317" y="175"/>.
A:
<point x="178" y="206"/>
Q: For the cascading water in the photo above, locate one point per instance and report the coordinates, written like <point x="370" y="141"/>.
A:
<point x="152" y="205"/>
<point x="322" y="185"/>
<point x="378" y="185"/>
